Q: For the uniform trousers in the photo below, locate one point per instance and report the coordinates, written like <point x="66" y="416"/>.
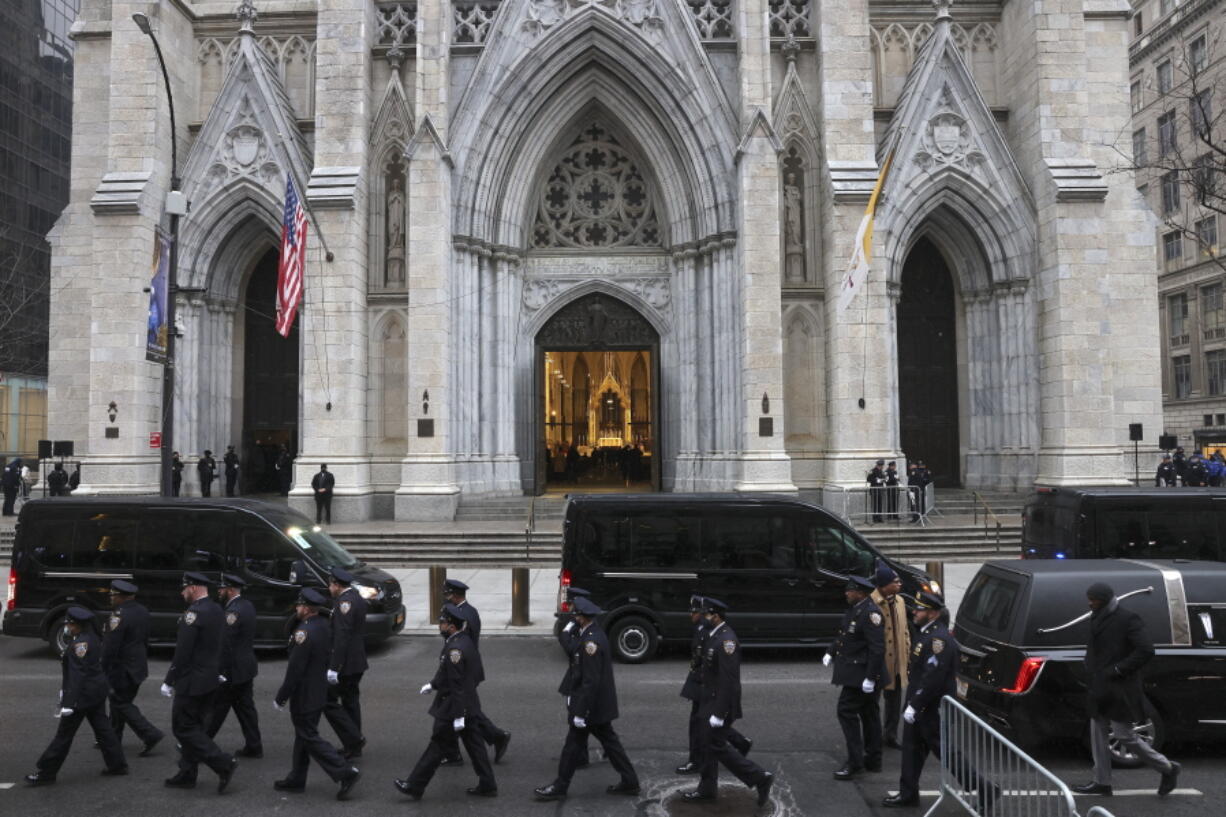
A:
<point x="924" y="736"/>
<point x="738" y="741"/>
<point x="717" y="750"/>
<point x="574" y="752"/>
<point x="124" y="711"/>
<point x="112" y="753"/>
<point x="1101" y="749"/>
<point x="877" y="497"/>
<point x="323" y="508"/>
<point x="860" y="719"/>
<point x="344" y="710"/>
<point x="189" y="715"/>
<point x="206" y="487"/>
<point x="231" y="481"/>
<point x="444" y="742"/>
<point x="308" y="745"/>
<point x="238" y="697"/>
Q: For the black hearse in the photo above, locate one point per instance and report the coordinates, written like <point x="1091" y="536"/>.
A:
<point x="1023" y="628"/>
<point x="780" y="563"/>
<point x="67" y="551"/>
<point x="1125" y="523"/>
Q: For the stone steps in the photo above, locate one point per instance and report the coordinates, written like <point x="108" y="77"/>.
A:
<point x="948" y="543"/>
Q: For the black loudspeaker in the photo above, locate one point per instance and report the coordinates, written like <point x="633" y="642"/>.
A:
<point x="44" y="449"/>
<point x="1134" y="432"/>
<point x="62" y="448"/>
<point x="1168" y="442"/>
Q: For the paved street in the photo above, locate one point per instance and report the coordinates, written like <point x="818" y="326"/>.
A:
<point x="788" y="701"/>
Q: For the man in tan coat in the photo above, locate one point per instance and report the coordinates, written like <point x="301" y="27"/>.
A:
<point x="897" y="648"/>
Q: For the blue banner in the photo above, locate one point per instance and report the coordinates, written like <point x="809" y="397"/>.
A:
<point x="155" y="341"/>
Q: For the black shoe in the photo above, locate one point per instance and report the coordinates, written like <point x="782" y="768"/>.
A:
<point x="689" y="767"/>
<point x="149" y="746"/>
<point x="891" y="742"/>
<point x="1100" y="789"/>
<point x="848" y="772"/>
<point x="354" y="751"/>
<point x="500" y="745"/>
<point x="289" y="785"/>
<point x="477" y="791"/>
<point x="180" y="781"/>
<point x="452" y="761"/>
<point x="764" y="789"/>
<point x="550" y="792"/>
<point x="250" y="751"/>
<point x="622" y="787"/>
<point x="1167" y="784"/>
<point x="402" y="786"/>
<point x="224" y="776"/>
<point x="348" y="782"/>
<point x="696" y="796"/>
<point x="40" y="779"/>
<point x="118" y="772"/>
<point x="898" y="801"/>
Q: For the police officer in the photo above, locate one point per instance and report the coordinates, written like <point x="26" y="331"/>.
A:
<point x="455" y="710"/>
<point x="348" y="662"/>
<point x="891" y="489"/>
<point x="858" y="654"/>
<point x="125" y="659"/>
<point x="176" y="473"/>
<point x="206" y="469"/>
<point x="230" y="462"/>
<point x="82" y="697"/>
<point x="238" y="667"/>
<point x="692" y="691"/>
<point x="456" y="592"/>
<point x="568" y="640"/>
<point x="1181" y="463"/>
<point x="591" y="707"/>
<point x="1166" y="476"/>
<point x="876" y="485"/>
<point x="1195" y="475"/>
<point x="192" y="680"/>
<point x="305" y="689"/>
<point x="721" y="706"/>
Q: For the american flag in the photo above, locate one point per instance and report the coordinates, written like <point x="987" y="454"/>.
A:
<point x="293" y="258"/>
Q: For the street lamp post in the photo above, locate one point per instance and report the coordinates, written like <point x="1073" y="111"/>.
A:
<point x="176" y="206"/>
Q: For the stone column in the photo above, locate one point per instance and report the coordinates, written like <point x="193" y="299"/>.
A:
<point x="508" y="284"/>
<point x="684" y="263"/>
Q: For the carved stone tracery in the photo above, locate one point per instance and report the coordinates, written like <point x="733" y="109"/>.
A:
<point x="640" y="14"/>
<point x="598" y="321"/>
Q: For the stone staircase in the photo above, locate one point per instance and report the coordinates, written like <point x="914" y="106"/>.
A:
<point x="511" y="510"/>
<point x="492" y="548"/>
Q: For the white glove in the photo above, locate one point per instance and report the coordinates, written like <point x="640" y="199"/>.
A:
<point x="458" y="724"/>
<point x="716" y="722"/>
<point x="908" y="714"/>
<point x="333" y="677"/>
<point x="568" y="701"/>
<point x="867" y="687"/>
<point x="580" y="723"/>
<point x="61" y="698"/>
<point x="168" y="690"/>
<point x="221" y="678"/>
<point x="426" y="689"/>
<point x="570" y="625"/>
<point x="277" y="705"/>
<point x="65" y="713"/>
<point x="827" y="660"/>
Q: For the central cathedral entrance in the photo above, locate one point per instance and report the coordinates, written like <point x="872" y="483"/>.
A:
<point x="597" y="381"/>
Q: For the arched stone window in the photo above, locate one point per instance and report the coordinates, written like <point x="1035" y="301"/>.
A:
<point x="393" y="396"/>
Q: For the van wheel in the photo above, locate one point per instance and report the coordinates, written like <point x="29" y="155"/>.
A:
<point x="57" y="639"/>
<point x="1152" y="730"/>
<point x="634" y="639"/>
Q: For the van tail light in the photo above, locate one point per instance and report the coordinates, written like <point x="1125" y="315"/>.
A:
<point x="12" y="605"/>
<point x="1027" y="674"/>
<point x="563" y="586"/>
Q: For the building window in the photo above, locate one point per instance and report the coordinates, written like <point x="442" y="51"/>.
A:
<point x="1204" y="178"/>
<point x="1212" y="312"/>
<point x="1177" y="318"/>
<point x="1182" y="366"/>
<point x="1198" y="55"/>
<point x="1172" y="247"/>
<point x="1164" y="7"/>
<point x="1166" y="133"/>
<point x="1221" y="420"/>
<point x="1170" y="191"/>
<point x="1208" y="419"/>
<point x="1201" y="112"/>
<point x="1134" y="94"/>
<point x="1166" y="76"/>
<point x="1206" y="239"/>
<point x="1139" y="153"/>
<point x="1137" y="25"/>
<point x="1215" y="371"/>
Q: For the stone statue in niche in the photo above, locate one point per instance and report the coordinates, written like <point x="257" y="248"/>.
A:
<point x="395" y="233"/>
<point x="794" y="233"/>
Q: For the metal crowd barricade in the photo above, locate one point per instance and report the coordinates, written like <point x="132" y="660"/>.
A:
<point x="885" y="504"/>
<point x="986" y="774"/>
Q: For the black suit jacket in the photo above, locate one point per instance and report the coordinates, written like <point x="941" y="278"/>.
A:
<point x="125" y="645"/>
<point x="593" y="693"/>
<point x="197" y="660"/>
<point x="859" y="647"/>
<point x="305" y="687"/>
<point x="721" y="675"/>
<point x="456" y="679"/>
<point x="84" y="681"/>
<point x="349" y="633"/>
<point x="933" y="670"/>
<point x="1119" y="647"/>
<point x="238" y="662"/>
<point x="324" y="480"/>
<point x="692" y="688"/>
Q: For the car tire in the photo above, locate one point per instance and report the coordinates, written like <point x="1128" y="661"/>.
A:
<point x="1152" y="730"/>
<point x="634" y="639"/>
<point x="57" y="639"/>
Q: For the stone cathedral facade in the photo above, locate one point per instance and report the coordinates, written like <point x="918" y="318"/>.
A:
<point x="614" y="226"/>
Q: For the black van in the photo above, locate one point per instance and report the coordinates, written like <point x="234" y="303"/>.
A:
<point x="780" y="563"/>
<point x="68" y="549"/>
<point x="1023" y="628"/>
<point x="1125" y="523"/>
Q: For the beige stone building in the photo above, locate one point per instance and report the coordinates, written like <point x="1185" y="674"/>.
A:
<point x="618" y="227"/>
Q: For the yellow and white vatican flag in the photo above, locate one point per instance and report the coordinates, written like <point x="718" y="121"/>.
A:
<point x="862" y="253"/>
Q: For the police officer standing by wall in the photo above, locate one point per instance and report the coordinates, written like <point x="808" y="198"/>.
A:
<point x="238" y="667"/>
<point x="876" y="487"/>
<point x="455" y="710"/>
<point x="1166" y="476"/>
<point x="897" y="648"/>
<point x="176" y="473"/>
<point x="891" y="490"/>
<point x="348" y="662"/>
<point x="192" y="680"/>
<point x="82" y="697"/>
<point x="858" y="655"/>
<point x="125" y="657"/>
<point x="456" y="592"/>
<point x="230" y="461"/>
<point x="721" y="706"/>
<point x="591" y="707"/>
<point x="305" y="689"/>
<point x="206" y="469"/>
<point x="323" y="484"/>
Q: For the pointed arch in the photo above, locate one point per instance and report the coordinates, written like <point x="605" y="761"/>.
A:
<point x="799" y="177"/>
<point x="216" y="241"/>
<point x="390" y="132"/>
<point x="804" y="378"/>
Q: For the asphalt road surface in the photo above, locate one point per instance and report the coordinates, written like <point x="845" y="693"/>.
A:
<point x="788" y="700"/>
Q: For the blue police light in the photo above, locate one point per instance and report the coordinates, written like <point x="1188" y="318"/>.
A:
<point x="1061" y="556"/>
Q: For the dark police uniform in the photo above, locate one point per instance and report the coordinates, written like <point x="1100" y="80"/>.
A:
<point x="239" y="667"/>
<point x="876" y="482"/>
<point x="891" y="492"/>
<point x="691" y="690"/>
<point x="568" y="640"/>
<point x="231" y="467"/>
<point x="125" y="659"/>
<point x="489" y="732"/>
<point x="1166" y="475"/>
<point x="859" y="655"/>
<point x="456" y="679"/>
<point x="344" y="707"/>
<point x="83" y="690"/>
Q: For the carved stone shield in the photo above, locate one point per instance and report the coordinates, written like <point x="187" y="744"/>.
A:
<point x="246" y="146"/>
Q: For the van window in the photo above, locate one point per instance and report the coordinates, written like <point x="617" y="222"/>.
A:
<point x="160" y="548"/>
<point x="105" y="542"/>
<point x="989" y="602"/>
<point x="266" y="553"/>
<point x="663" y="542"/>
<point x="183" y="540"/>
<point x="51" y="541"/>
<point x="204" y="540"/>
<point x="1185" y="535"/>
<point x="835" y="550"/>
<point x="603" y="543"/>
<point x="747" y="542"/>
<point x="1120" y="534"/>
<point x="1048" y="525"/>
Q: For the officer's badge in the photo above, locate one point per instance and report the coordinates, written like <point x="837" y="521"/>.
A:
<point x="189" y="618"/>
<point x="299" y="636"/>
<point x="937" y="646"/>
<point x="80" y="648"/>
<point x="730" y="647"/>
<point x="455" y="656"/>
<point x="231" y="618"/>
<point x="345" y="608"/>
<point x="590" y="648"/>
<point x="918" y="649"/>
<point x="113" y="624"/>
<point x="851" y="628"/>
<point x="875" y="618"/>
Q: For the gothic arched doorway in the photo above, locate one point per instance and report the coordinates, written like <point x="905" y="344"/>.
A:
<point x="928" y="365"/>
<point x="597" y="417"/>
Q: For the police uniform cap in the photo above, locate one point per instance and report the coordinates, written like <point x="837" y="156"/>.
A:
<point x="881" y="462"/>
<point x="586" y="607"/>
<point x="452" y="614"/>
<point x="925" y="600"/>
<point x="454" y="586"/>
<point x="573" y="593"/>
<point x="884" y="575"/>
<point x="80" y="614"/>
<point x="710" y="605"/>
<point x="696" y="604"/>
<point x="341" y="576"/>
<point x="312" y="597"/>
<point x="230" y="580"/>
<point x="190" y="578"/>
<point x="860" y="584"/>
<point x="124" y="588"/>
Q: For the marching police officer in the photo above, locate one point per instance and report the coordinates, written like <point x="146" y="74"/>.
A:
<point x="192" y="680"/>
<point x="858" y="655"/>
<point x="721" y="706"/>
<point x="1166" y="476"/>
<point x="876" y="486"/>
<point x="568" y="639"/>
<point x="238" y="667"/>
<point x="348" y="662"/>
<point x="691" y="690"/>
<point x="456" y="710"/>
<point x="125" y="659"/>
<point x="456" y="592"/>
<point x="305" y="689"/>
<point x="591" y="707"/>
<point x="82" y="697"/>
